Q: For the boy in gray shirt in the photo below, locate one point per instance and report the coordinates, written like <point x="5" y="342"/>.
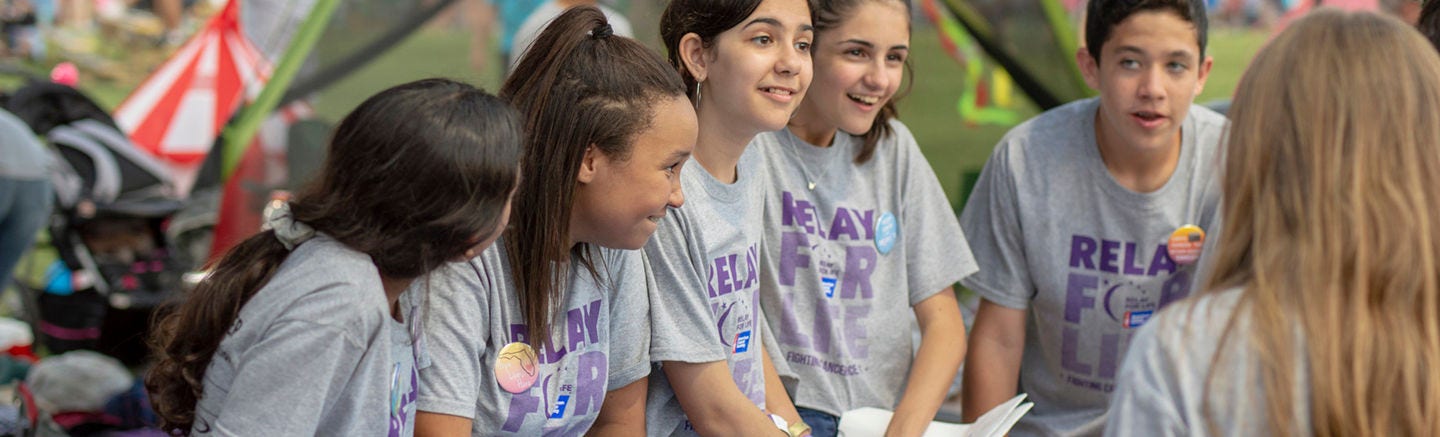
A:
<point x="1073" y="217"/>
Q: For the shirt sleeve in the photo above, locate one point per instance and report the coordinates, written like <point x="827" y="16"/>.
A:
<point x="936" y="252"/>
<point x="456" y="337"/>
<point x="991" y="223"/>
<point x="682" y="327"/>
<point x="301" y="365"/>
<point x="629" y="353"/>
<point x="1147" y="391"/>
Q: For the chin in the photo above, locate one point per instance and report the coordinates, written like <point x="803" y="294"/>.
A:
<point x="857" y="127"/>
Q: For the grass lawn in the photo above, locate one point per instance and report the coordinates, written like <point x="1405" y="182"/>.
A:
<point x="952" y="146"/>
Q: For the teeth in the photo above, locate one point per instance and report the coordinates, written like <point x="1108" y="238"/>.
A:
<point x="777" y="91"/>
<point x="868" y="100"/>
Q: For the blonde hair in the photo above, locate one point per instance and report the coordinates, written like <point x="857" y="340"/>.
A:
<point x="1331" y="189"/>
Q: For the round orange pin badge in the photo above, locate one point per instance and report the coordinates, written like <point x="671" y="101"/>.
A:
<point x="516" y="368"/>
<point x="1185" y="244"/>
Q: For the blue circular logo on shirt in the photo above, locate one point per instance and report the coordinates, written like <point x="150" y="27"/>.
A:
<point x="887" y="230"/>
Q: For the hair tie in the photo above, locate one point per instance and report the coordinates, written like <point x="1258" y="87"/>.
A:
<point x="290" y="232"/>
<point x="602" y="31"/>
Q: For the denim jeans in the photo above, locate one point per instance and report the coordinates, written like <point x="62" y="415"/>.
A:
<point x="821" y="424"/>
<point x="24" y="210"/>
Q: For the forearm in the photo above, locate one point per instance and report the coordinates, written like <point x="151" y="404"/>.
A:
<point x="942" y="349"/>
<point x="777" y="400"/>
<point x="712" y="402"/>
<point x="623" y="413"/>
<point x="429" y="424"/>
<point x="991" y="377"/>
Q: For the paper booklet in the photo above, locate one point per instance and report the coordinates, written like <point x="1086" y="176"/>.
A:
<point x="997" y="422"/>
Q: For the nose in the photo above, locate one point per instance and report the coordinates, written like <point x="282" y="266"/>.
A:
<point x="1152" y="84"/>
<point x="677" y="194"/>
<point x="877" y="77"/>
<point x="791" y="62"/>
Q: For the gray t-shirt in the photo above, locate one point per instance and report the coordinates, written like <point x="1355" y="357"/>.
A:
<point x="1057" y="235"/>
<point x="598" y="343"/>
<point x="706" y="306"/>
<point x="846" y="261"/>
<point x="1161" y="391"/>
<point x="312" y="353"/>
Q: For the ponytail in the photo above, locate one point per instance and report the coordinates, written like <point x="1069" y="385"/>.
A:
<point x="578" y="86"/>
<point x="185" y="340"/>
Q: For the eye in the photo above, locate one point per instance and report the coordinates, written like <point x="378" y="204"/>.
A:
<point x="895" y="57"/>
<point x="856" y="53"/>
<point x="673" y="168"/>
<point x="1177" y="67"/>
<point x="1129" y="64"/>
<point x="803" y="46"/>
<point x="763" y="40"/>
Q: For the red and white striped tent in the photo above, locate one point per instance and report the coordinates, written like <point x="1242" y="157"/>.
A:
<point x="179" y="110"/>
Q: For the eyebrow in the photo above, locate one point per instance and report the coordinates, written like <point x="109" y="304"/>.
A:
<point x="678" y="155"/>
<point x="776" y="23"/>
<point x="1174" y="54"/>
<point x="764" y="20"/>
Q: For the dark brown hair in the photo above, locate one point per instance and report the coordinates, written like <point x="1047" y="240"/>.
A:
<point x="412" y="176"/>
<point x="1429" y="22"/>
<point x="830" y="14"/>
<point x="1101" y="17"/>
<point x="706" y="18"/>
<point x="579" y="86"/>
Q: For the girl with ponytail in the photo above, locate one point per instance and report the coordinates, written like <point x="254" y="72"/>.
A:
<point x="297" y="330"/>
<point x="546" y="333"/>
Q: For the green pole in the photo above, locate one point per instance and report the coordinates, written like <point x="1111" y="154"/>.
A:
<point x="1065" y="39"/>
<point x="236" y="137"/>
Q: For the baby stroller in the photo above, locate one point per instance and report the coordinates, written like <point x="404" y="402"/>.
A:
<point x="113" y="202"/>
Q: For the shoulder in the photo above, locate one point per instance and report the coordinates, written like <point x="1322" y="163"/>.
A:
<point x="1206" y="118"/>
<point x="1195" y="324"/>
<point x="325" y="283"/>
<point x="1209" y="126"/>
<point x="1057" y="123"/>
<point x="326" y="266"/>
<point x="1056" y="130"/>
<point x="900" y="142"/>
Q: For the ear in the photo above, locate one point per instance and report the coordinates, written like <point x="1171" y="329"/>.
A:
<point x="692" y="55"/>
<point x="1089" y="68"/>
<point x="589" y="165"/>
<point x="1204" y="74"/>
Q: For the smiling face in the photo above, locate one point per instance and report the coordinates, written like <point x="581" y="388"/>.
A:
<point x="755" y="74"/>
<point x="859" y="65"/>
<point x="619" y="204"/>
<point x="1148" y="74"/>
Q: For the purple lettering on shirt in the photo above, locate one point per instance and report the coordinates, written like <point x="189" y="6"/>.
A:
<point x="1161" y="262"/>
<point x="789" y="323"/>
<point x="1082" y="251"/>
<point x="1070" y="351"/>
<point x="856" y="339"/>
<point x="859" y="264"/>
<point x="790" y="256"/>
<point x="1076" y="299"/>
<point x="521" y="405"/>
<point x="1109" y="253"/>
<point x="590" y="382"/>
<point x="843" y="226"/>
<point x="1131" y="268"/>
